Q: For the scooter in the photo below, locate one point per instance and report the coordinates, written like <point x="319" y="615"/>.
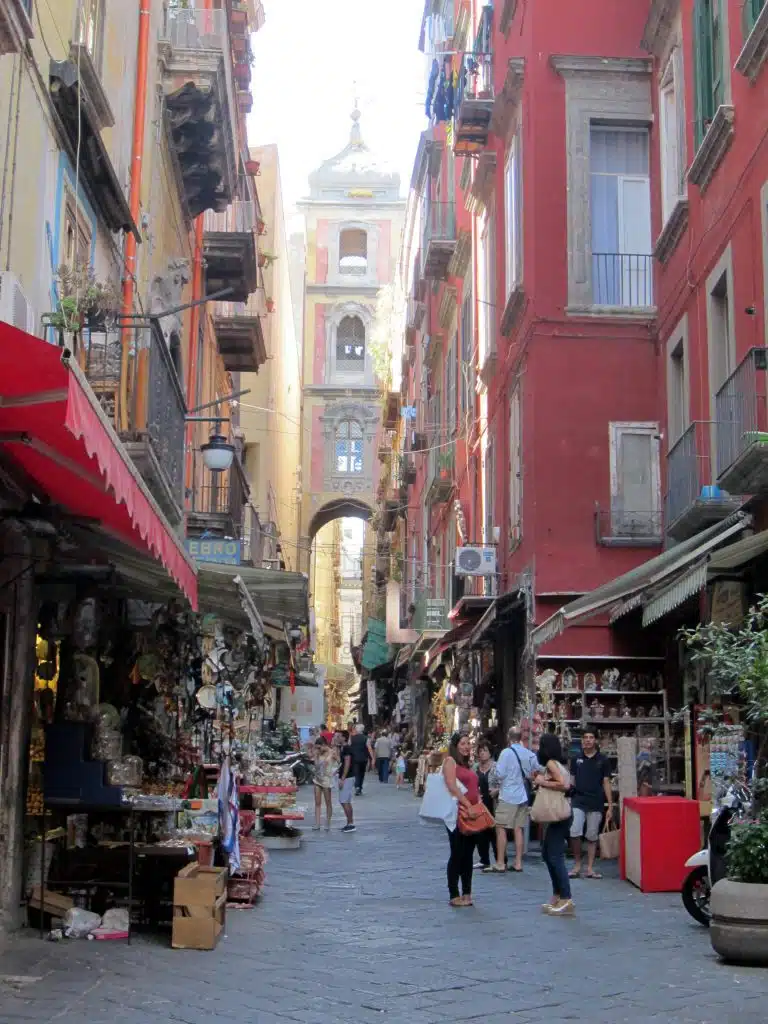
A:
<point x="708" y="865"/>
<point x="301" y="764"/>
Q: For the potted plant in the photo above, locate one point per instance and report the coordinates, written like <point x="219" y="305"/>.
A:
<point x="736" y="658"/>
<point x="253" y="167"/>
<point x="266" y="259"/>
<point x="83" y="301"/>
<point x="270" y="305"/>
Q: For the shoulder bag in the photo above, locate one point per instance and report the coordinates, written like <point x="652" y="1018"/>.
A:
<point x="529" y="792"/>
<point x="471" y="826"/>
<point x="551" y="805"/>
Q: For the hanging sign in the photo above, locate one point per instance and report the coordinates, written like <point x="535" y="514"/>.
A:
<point x="224" y="552"/>
<point x="372" y="705"/>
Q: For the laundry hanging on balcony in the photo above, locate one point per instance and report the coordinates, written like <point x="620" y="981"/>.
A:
<point x="441" y="91"/>
<point x="53" y="428"/>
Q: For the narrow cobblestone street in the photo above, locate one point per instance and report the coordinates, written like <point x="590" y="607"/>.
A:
<point x="356" y="928"/>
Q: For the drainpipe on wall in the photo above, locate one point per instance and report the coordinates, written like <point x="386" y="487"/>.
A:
<point x="134" y="201"/>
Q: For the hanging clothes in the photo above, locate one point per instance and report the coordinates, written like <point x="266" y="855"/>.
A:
<point x="229" y="813"/>
<point x="434" y="72"/>
<point x="441" y="98"/>
<point x="450" y="94"/>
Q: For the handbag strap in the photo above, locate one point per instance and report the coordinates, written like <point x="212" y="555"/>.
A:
<point x="526" y="778"/>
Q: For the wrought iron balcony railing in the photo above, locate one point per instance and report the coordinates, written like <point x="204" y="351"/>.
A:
<point x="196" y="28"/>
<point x="474" y="99"/>
<point x="694" y="500"/>
<point x="240" y="216"/>
<point x="742" y="426"/>
<point x="619" y="526"/>
<point x="622" y="279"/>
<point x="439" y="238"/>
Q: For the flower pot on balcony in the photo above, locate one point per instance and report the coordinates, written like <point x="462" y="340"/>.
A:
<point x="270" y="305"/>
<point x="261" y="226"/>
<point x="266" y="259"/>
<point x="253" y="167"/>
<point x="739" y="929"/>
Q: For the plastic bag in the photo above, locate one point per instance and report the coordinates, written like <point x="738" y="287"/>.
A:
<point x="115" y="920"/>
<point x="78" y="923"/>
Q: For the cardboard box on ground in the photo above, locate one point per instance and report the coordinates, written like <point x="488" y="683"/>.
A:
<point x="199" y="907"/>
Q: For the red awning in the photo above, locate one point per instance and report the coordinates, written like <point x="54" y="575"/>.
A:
<point x="52" y="425"/>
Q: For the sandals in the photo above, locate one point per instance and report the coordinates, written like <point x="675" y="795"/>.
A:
<point x="461" y="901"/>
<point x="593" y="874"/>
<point x="575" y="873"/>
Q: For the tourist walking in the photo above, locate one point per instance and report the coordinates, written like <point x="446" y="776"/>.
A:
<point x="557" y="777"/>
<point x="400" y="769"/>
<point x="346" y="782"/>
<point x="362" y="756"/>
<point x="488" y="781"/>
<point x="591" y="773"/>
<point x="456" y="769"/>
<point x="382" y="749"/>
<point x="515" y="766"/>
<point x="325" y="772"/>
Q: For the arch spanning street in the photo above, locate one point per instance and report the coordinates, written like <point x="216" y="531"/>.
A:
<point x="343" y="508"/>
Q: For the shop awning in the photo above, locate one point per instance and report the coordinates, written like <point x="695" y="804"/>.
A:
<point x="739" y="553"/>
<point x="376" y="650"/>
<point x="630" y="590"/>
<point x="54" y="429"/>
<point x="451" y="639"/>
<point x="280" y="597"/>
<point x="493" y="617"/>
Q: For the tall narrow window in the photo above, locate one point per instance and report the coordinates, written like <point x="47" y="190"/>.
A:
<point x="490" y="507"/>
<point x="677" y="391"/>
<point x="635" y="480"/>
<point x="77" y="233"/>
<point x="709" y="63"/>
<point x="450" y="382"/>
<point x="467" y="364"/>
<point x="515" y="467"/>
<point x="349" y="447"/>
<point x="512" y="218"/>
<point x="622" y="270"/>
<point x="90" y="30"/>
<point x="350" y="345"/>
<point x="672" y="106"/>
<point x="353" y="251"/>
<point x="487" y="290"/>
<point x="720" y="347"/>
<point x="752" y="9"/>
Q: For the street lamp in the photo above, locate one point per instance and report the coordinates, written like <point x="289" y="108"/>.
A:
<point x="219" y="452"/>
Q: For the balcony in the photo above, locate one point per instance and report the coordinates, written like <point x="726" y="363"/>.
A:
<point x="240" y="337"/>
<point x="439" y="239"/>
<point x="622" y="279"/>
<point x="229" y="248"/>
<point x="15" y="25"/>
<point x="199" y="94"/>
<point x="474" y="102"/>
<point x="694" y="501"/>
<point x="742" y="427"/>
<point x="440" y="471"/>
<point x="620" y="527"/>
<point x="153" y="424"/>
<point x="218" y="505"/>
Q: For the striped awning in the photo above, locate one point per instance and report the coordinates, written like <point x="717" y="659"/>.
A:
<point x="670" y="597"/>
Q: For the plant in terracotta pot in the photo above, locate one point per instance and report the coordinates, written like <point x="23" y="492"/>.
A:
<point x="83" y="301"/>
<point x="266" y="259"/>
<point x="270" y="305"/>
<point x="736" y="660"/>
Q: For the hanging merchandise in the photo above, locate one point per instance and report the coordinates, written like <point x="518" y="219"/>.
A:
<point x="434" y="71"/>
<point x="229" y="807"/>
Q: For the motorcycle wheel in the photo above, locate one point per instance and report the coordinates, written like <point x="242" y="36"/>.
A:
<point x="300" y="773"/>
<point x="696" y="893"/>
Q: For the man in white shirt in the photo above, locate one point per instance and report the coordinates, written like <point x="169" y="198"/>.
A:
<point x="515" y="765"/>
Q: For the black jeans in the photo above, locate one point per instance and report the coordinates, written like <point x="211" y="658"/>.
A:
<point x="553" y="855"/>
<point x="486" y="842"/>
<point x="358" y="770"/>
<point x="460" y="863"/>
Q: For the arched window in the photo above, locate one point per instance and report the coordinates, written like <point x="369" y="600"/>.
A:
<point x="353" y="251"/>
<point x="349" y="447"/>
<point x="350" y="345"/>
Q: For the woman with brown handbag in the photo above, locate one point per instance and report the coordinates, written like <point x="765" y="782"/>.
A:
<point x="457" y="770"/>
<point x="554" y="813"/>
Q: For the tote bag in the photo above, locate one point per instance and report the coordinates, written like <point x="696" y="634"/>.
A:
<point x="437" y="804"/>
<point x="610" y="843"/>
<point x="551" y="805"/>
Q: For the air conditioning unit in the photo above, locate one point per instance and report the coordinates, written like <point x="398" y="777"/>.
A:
<point x="472" y="561"/>
<point x="14" y="306"/>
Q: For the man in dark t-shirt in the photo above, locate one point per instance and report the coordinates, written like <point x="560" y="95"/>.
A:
<point x="591" y="774"/>
<point x="346" y="782"/>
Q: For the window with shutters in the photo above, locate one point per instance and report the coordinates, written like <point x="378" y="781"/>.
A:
<point x="90" y="28"/>
<point x="78" y="235"/>
<point x="487" y="288"/>
<point x="450" y="386"/>
<point x="490" y="508"/>
<point x="635" y="480"/>
<point x="672" y="110"/>
<point x="513" y="219"/>
<point x="751" y="10"/>
<point x="466" y="365"/>
<point x="353" y="251"/>
<point x="515" y="468"/>
<point x="709" y="52"/>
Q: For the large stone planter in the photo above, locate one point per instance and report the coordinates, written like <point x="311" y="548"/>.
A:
<point x="739" y="929"/>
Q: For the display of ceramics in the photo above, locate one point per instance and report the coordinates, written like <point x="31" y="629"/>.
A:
<point x="569" y="679"/>
<point x="624" y="708"/>
<point x="628" y="681"/>
<point x="613" y="712"/>
<point x="206" y="697"/>
<point x="590" y="681"/>
<point x="655" y="711"/>
<point x="639" y="711"/>
<point x="610" y="678"/>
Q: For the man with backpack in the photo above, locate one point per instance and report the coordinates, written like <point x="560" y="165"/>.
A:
<point x="514" y="769"/>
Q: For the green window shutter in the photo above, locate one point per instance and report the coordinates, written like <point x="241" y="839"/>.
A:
<point x="717" y="23"/>
<point x="751" y="10"/>
<point x="701" y="68"/>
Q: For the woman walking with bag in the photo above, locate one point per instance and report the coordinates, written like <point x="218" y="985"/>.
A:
<point x="462" y="783"/>
<point x="552" y="809"/>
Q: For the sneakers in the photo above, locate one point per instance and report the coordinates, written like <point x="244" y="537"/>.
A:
<point x="349" y="828"/>
<point x="563" y="908"/>
<point x="315" y="828"/>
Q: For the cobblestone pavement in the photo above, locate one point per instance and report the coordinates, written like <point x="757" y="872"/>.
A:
<point x="356" y="928"/>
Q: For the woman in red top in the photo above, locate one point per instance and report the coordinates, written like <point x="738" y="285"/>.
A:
<point x="456" y="769"/>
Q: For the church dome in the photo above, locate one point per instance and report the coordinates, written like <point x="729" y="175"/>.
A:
<point x="355" y="173"/>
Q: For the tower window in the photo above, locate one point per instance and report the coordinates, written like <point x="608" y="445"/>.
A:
<point x="349" y="447"/>
<point x="350" y="345"/>
<point x="353" y="251"/>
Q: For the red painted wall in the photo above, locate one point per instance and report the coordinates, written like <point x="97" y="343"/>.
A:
<point x="318" y="356"/>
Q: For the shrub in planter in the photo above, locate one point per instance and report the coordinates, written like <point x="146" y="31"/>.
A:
<point x="739" y="930"/>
